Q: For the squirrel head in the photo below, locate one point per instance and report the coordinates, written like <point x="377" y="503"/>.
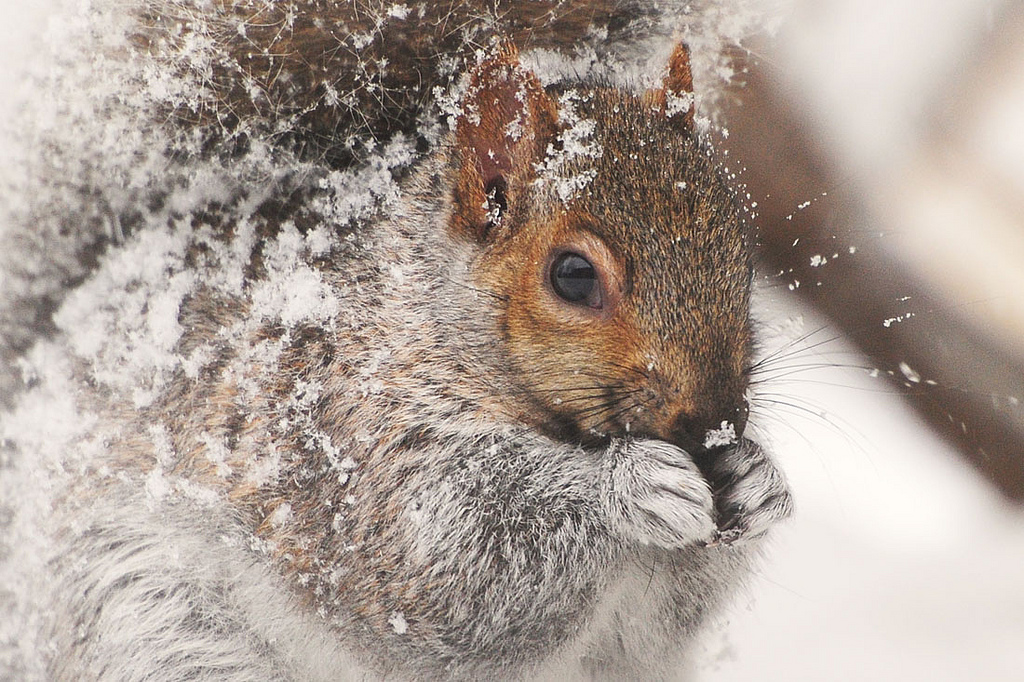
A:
<point x="615" y="253"/>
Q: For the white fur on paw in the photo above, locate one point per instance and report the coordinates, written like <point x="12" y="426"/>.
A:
<point x="751" y="492"/>
<point x="656" y="495"/>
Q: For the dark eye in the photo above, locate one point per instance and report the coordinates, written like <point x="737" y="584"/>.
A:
<point x="574" y="279"/>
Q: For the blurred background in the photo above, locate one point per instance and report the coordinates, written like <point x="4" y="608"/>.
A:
<point x="882" y="142"/>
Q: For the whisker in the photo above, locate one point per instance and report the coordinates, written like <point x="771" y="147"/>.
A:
<point x="613" y="402"/>
<point x="482" y="292"/>
<point x="631" y="368"/>
<point x="782" y="373"/>
<point x="807" y="410"/>
<point x="626" y="408"/>
<point x="793" y="347"/>
<point x="784" y="360"/>
<point x="612" y="417"/>
<point x="595" y="388"/>
<point x="600" y="408"/>
<point x="585" y="397"/>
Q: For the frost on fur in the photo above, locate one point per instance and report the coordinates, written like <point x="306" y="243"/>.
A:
<point x="576" y="144"/>
<point x="177" y="157"/>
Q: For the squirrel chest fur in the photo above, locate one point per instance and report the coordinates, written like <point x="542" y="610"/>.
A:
<point x="497" y="433"/>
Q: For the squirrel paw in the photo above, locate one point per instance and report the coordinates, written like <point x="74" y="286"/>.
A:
<point x="750" y="493"/>
<point x="657" y="495"/>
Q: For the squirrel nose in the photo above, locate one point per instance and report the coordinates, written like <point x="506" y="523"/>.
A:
<point x="699" y="433"/>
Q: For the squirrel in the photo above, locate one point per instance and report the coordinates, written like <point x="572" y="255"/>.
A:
<point x="310" y="83"/>
<point x="497" y="432"/>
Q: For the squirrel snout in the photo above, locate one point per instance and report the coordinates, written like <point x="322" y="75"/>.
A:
<point x="703" y="432"/>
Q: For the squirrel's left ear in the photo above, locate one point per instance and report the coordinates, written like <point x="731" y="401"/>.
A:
<point x="503" y="130"/>
<point x="675" y="96"/>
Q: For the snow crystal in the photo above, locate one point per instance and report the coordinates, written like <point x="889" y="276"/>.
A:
<point x="725" y="434"/>
<point x="200" y="357"/>
<point x="163" y="448"/>
<point x="217" y="454"/>
<point x="293" y="297"/>
<point x="331" y="96"/>
<point x="157" y="485"/>
<point x="889" y="321"/>
<point x="319" y="241"/>
<point x="357" y="194"/>
<point x="124" y="321"/>
<point x="399" y="12"/>
<point x="361" y="40"/>
<point x="561" y="166"/>
<point x="553" y="67"/>
<point x="679" y="104"/>
<point x="908" y="372"/>
<point x="281" y="515"/>
<point x="397" y="621"/>
<point x="200" y="494"/>
<point x="265" y="469"/>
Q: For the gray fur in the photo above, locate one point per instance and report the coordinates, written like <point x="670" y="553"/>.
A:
<point x="344" y="467"/>
<point x="458" y="544"/>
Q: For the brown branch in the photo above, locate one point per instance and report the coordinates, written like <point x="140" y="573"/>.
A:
<point x="972" y="403"/>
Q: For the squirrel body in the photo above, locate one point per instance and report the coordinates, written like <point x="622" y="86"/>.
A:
<point x="496" y="433"/>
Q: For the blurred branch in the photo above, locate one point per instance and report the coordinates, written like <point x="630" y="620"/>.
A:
<point x="974" y="401"/>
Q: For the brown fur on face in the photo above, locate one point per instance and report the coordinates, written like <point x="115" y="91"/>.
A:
<point x="665" y="356"/>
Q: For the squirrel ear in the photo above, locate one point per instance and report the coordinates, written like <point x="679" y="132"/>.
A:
<point x="675" y="97"/>
<point x="505" y="124"/>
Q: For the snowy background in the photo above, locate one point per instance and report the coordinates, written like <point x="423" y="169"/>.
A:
<point x="902" y="563"/>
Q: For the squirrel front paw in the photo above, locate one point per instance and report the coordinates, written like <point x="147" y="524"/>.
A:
<point x="656" y="495"/>
<point x="750" y="492"/>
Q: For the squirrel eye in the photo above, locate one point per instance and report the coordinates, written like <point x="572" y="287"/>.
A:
<point x="574" y="279"/>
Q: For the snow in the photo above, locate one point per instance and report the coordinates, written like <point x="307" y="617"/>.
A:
<point x="281" y="515"/>
<point x="723" y="435"/>
<point x="126" y="318"/>
<point x="577" y="143"/>
<point x="901" y="564"/>
<point x="398" y="622"/>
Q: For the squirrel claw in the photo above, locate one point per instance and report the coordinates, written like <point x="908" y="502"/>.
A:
<point x="750" y="494"/>
<point x="725" y="537"/>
